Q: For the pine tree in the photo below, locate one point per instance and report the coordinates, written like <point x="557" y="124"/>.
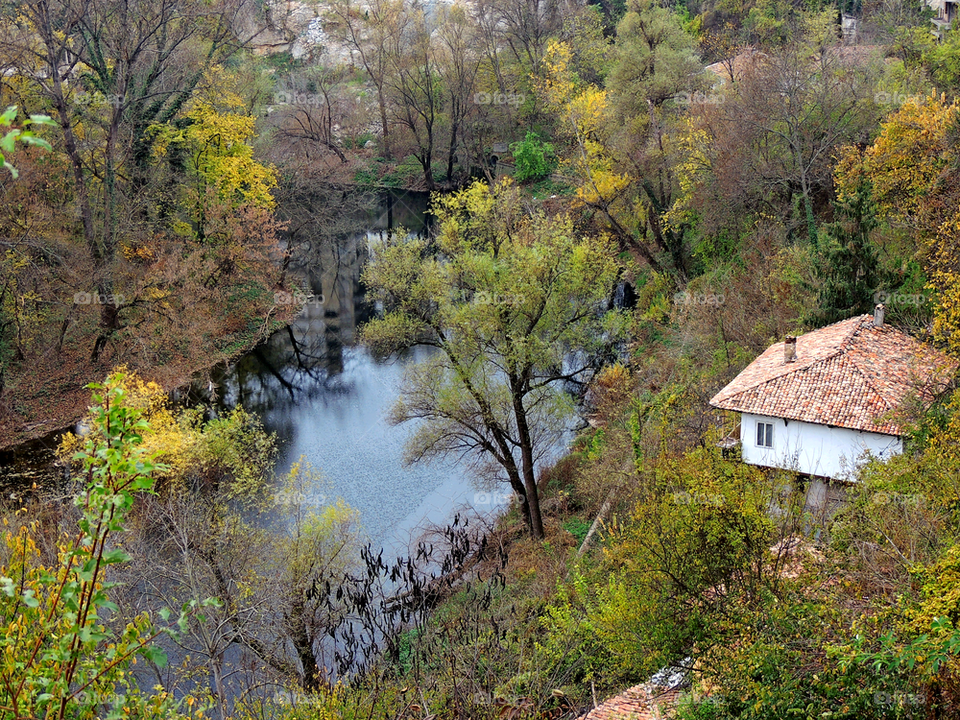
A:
<point x="847" y="262"/>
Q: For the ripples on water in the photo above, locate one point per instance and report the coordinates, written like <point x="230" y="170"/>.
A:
<point x="326" y="398"/>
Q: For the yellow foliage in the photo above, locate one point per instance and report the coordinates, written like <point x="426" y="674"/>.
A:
<point x="218" y="140"/>
<point x="224" y="159"/>
<point x="905" y="160"/>
<point x="601" y="183"/>
<point x="557" y="83"/>
<point x="692" y="145"/>
<point x="169" y="438"/>
<point x="911" y="168"/>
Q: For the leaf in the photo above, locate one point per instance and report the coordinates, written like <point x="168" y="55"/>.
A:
<point x="35" y="141"/>
<point x="8" y="141"/>
<point x="155" y="654"/>
<point x="117" y="555"/>
<point x="42" y="120"/>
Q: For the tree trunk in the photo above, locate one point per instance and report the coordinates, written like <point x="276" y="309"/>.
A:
<point x="303" y="646"/>
<point x="384" y="124"/>
<point x="528" y="465"/>
<point x="520" y="489"/>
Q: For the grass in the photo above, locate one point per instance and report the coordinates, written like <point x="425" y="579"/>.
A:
<point x="549" y="186"/>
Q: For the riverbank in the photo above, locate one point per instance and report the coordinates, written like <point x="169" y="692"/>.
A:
<point x="50" y="394"/>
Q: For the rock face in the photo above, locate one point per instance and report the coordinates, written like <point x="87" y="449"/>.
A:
<point x="283" y="26"/>
<point x="297" y="27"/>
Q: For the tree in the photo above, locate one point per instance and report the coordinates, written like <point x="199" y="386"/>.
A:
<point x="13" y="300"/>
<point x="912" y="168"/>
<point x="619" y="135"/>
<point x="654" y="60"/>
<point x="217" y="508"/>
<point x="371" y="32"/>
<point x="459" y="64"/>
<point x="773" y="135"/>
<point x="59" y="656"/>
<point x="512" y="303"/>
<point x="110" y="72"/>
<point x="847" y="263"/>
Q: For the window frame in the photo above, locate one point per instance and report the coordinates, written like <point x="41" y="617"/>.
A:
<point x="764" y="434"/>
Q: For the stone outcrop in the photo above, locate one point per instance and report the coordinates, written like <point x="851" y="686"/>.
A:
<point x="283" y="26"/>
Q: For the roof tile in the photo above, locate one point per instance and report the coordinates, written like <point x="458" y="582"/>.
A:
<point x="641" y="702"/>
<point x="849" y="374"/>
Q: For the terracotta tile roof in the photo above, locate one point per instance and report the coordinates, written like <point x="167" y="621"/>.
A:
<point x="849" y="374"/>
<point x="640" y="702"/>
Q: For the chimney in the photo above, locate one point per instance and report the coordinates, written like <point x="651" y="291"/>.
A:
<point x="790" y="349"/>
<point x="878" y="315"/>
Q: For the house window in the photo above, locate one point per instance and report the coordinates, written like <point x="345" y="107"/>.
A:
<point x="764" y="434"/>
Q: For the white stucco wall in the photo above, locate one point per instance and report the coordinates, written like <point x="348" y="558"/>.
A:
<point x="813" y="449"/>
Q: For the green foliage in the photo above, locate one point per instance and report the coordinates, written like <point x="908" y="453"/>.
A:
<point x="15" y="135"/>
<point x="700" y="523"/>
<point x="943" y="62"/>
<point x="59" y="657"/>
<point x="848" y="263"/>
<point x="506" y="301"/>
<point x="533" y="157"/>
<point x="549" y="187"/>
<point x="578" y="527"/>
<point x="406" y="172"/>
<point x="655" y="60"/>
<point x="689" y="708"/>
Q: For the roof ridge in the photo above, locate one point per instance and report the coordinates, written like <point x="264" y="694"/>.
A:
<point x="824" y="388"/>
<point x="791" y="371"/>
<point x="855" y="328"/>
<point x="866" y="376"/>
<point x="865" y="322"/>
<point x="869" y="383"/>
<point x="841" y="348"/>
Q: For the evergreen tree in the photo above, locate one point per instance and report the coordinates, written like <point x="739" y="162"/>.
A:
<point x="847" y="262"/>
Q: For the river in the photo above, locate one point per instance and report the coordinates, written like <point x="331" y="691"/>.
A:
<point x="316" y="388"/>
<point x="326" y="398"/>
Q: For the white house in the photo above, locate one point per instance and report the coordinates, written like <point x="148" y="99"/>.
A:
<point x="945" y="13"/>
<point x="822" y="402"/>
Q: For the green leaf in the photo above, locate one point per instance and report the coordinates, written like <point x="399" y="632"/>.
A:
<point x="155" y="654"/>
<point x="42" y="120"/>
<point x="8" y="141"/>
<point x="117" y="555"/>
<point x="36" y="141"/>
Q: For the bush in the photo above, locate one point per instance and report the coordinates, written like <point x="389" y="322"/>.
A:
<point x="578" y="527"/>
<point x="534" y="159"/>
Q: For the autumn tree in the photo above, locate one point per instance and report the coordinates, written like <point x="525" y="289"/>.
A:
<point x="621" y="156"/>
<point x="912" y="169"/>
<point x="312" y="111"/>
<point x="110" y="72"/>
<point x="772" y="138"/>
<point x="522" y="30"/>
<point x="512" y="302"/>
<point x="371" y="32"/>
<point x="60" y="653"/>
<point x="223" y="524"/>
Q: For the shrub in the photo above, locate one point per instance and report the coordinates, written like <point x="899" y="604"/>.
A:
<point x="534" y="159"/>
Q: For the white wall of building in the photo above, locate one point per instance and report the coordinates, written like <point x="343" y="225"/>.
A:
<point x="813" y="449"/>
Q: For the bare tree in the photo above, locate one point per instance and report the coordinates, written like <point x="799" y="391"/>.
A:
<point x="371" y="31"/>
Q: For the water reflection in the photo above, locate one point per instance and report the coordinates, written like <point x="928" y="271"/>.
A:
<point x="326" y="398"/>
